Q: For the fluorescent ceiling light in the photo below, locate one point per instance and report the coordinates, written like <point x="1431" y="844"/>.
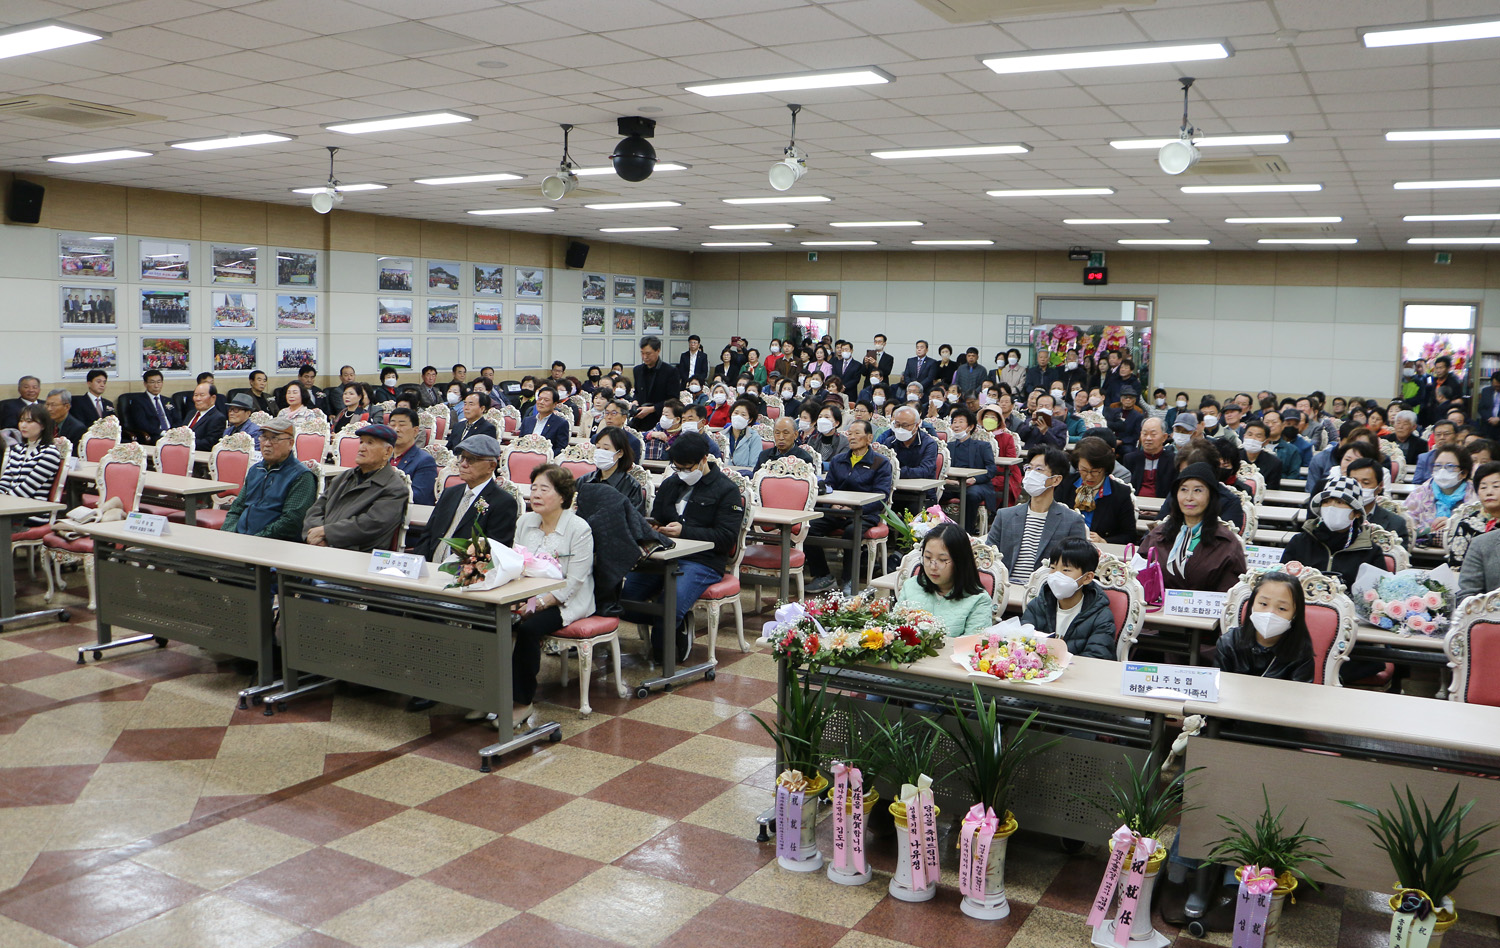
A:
<point x="1139" y="54"/>
<point x="92" y="156"/>
<point x="789" y="199"/>
<point x="342" y="189"/>
<point x="632" y="205"/>
<point x="397" y="122"/>
<point x="1417" y="218"/>
<point x="233" y="141"/>
<point x="1454" y="240"/>
<point x="821" y="79"/>
<point x="610" y="169"/>
<point x="736" y="243"/>
<point x="1048" y="192"/>
<point x="952" y="243"/>
<point x="1164" y="241"/>
<point x="1445" y="185"/>
<point x="751" y="226"/>
<point x="635" y="230"/>
<point x="470" y="178"/>
<point x="1249" y="188"/>
<point x="957" y="151"/>
<point x="494" y="211"/>
<point x="1211" y="141"/>
<point x="1110" y="221"/>
<point x="1308" y="240"/>
<point x="1283" y="220"/>
<point x="838" y="243"/>
<point x="1415" y="33"/>
<point x="874" y="223"/>
<point x="42" y="36"/>
<point x="1443" y="135"/>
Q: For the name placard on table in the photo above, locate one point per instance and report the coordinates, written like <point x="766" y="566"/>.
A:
<point x="409" y="565"/>
<point x="1147" y="680"/>
<point x="1194" y="603"/>
<point x="146" y="525"/>
<point x="1263" y="557"/>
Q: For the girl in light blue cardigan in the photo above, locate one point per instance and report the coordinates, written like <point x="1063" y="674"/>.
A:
<point x="947" y="584"/>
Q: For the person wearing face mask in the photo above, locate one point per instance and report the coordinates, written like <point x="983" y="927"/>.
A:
<point x="1043" y="428"/>
<point x="1274" y="641"/>
<point x="1070" y="373"/>
<point x="1195" y="547"/>
<point x="916" y="453"/>
<point x="1009" y="370"/>
<point x="1179" y="404"/>
<point x="878" y="362"/>
<point x="1184" y="428"/>
<point x="1476" y="521"/>
<point x="614" y="456"/>
<point x="1432" y="503"/>
<point x="717" y="405"/>
<point x="996" y="428"/>
<point x="695" y="419"/>
<point x="697" y="393"/>
<point x="947" y="583"/>
<point x="967" y="450"/>
<point x="1338" y="540"/>
<point x="946" y="367"/>
<point x="1105" y="504"/>
<point x="824" y="439"/>
<point x="1294" y="450"/>
<point x="744" y="443"/>
<point x="1071" y="606"/>
<point x="659" y="438"/>
<point x="1151" y="464"/>
<point x="1371" y="476"/>
<point x="969" y="375"/>
<point x="1253" y="449"/>
<point x="913" y="396"/>
<point x="1444" y="433"/>
<point x="1158" y="407"/>
<point x="784" y="445"/>
<point x="1022" y="531"/>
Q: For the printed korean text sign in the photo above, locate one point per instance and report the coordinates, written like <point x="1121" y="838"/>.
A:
<point x="1150" y="680"/>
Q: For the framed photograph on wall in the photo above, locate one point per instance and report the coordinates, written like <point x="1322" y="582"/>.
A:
<point x="654" y="321"/>
<point x="489" y="317"/>
<point x="593" y="319"/>
<point x="444" y="276"/>
<point x="165" y="260"/>
<point x="171" y="356"/>
<point x="235" y="265"/>
<point x="79" y="256"/>
<point x="531" y="284"/>
<point x="235" y="353"/>
<point x="87" y="306"/>
<point x="528" y="318"/>
<point x="593" y="288"/>
<point x="682" y="322"/>
<point x="393" y="313"/>
<point x="83" y="354"/>
<point x="395" y="352"/>
<point x="296" y="312"/>
<point x="293" y="352"/>
<point x="653" y="291"/>
<point x="682" y="292"/>
<point x="624" y="289"/>
<point x="442" y="316"/>
<point x="625" y="319"/>
<point x="394" y="273"/>
<point x="166" y="308"/>
<point x="233" y="310"/>
<point x="296" y="269"/>
<point x="489" y="280"/>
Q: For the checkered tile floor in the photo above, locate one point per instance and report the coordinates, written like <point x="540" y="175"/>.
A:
<point x="139" y="808"/>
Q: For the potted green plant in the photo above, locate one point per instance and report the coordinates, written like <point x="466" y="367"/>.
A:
<point x="1267" y="844"/>
<point x="802" y="716"/>
<point x="1431" y="854"/>
<point x="909" y="754"/>
<point x="989" y="766"/>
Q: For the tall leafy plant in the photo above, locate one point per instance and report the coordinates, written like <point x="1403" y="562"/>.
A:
<point x="1266" y="843"/>
<point x="798" y="731"/>
<point x="990" y="764"/>
<point x="905" y="748"/>
<point x="1141" y="801"/>
<point x="1428" y="851"/>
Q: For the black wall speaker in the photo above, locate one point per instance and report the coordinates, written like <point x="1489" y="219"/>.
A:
<point x="24" y="203"/>
<point x="578" y="253"/>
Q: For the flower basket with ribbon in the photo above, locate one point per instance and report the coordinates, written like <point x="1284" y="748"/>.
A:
<point x="834" y="630"/>
<point x="851" y="811"/>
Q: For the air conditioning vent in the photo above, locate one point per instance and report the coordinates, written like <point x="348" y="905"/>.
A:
<point x="72" y="112"/>
<point x="983" y="11"/>
<point x="1255" y="164"/>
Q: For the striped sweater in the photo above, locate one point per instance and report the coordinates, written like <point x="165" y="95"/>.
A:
<point x="29" y="471"/>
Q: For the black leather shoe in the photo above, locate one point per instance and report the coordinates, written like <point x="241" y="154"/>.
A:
<point x="419" y="704"/>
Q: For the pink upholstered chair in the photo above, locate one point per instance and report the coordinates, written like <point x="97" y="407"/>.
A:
<point x="993" y="575"/>
<point x="578" y="459"/>
<point x="1473" y="648"/>
<point x="174" y="452"/>
<point x="787" y="483"/>
<point x="347" y="445"/>
<point x="229" y="462"/>
<point x="585" y="635"/>
<point x="101" y="436"/>
<point x="510" y="418"/>
<point x="1330" y="619"/>
<point x="312" y="440"/>
<point x="30" y="538"/>
<point x="727" y="590"/>
<point x="1127" y="600"/>
<point x="525" y="454"/>
<point x="121" y="474"/>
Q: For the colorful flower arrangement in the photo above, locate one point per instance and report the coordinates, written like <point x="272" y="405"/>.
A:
<point x="908" y="529"/>
<point x="1012" y="651"/>
<point x="474" y="558"/>
<point x="1441" y="345"/>
<point x="1408" y="601"/>
<point x="835" y="630"/>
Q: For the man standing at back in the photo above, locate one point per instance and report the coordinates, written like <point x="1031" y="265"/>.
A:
<point x="694" y="362"/>
<point x="919" y="368"/>
<point x="655" y="383"/>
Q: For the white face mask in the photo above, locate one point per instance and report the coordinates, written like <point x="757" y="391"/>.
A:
<point x="952" y="399"/>
<point x="604" y="460"/>
<point x="1012" y="360"/>
<point x="1448" y="480"/>
<point x="1182" y="438"/>
<point x="825" y="425"/>
<point x="788" y="394"/>
<point x="999" y="363"/>
<point x="739" y="422"/>
<point x="453" y="398"/>
<point x="878" y="400"/>
<point x="1408" y="372"/>
<point x="1337" y="518"/>
<point x="913" y="396"/>
<point x="813" y="384"/>
<point x="1035" y="482"/>
<point x="875" y="380"/>
<point x="879" y="347"/>
<point x="695" y="388"/>
<point x="1062" y="586"/>
<point x="720" y="398"/>
<point x="958" y="435"/>
<point x="1367" y="496"/>
<point x="665" y="422"/>
<point x="689" y="426"/>
<point x="620" y="392"/>
<point x="1181" y="403"/>
<point x="1071" y="366"/>
<point x="903" y="434"/>
<point x="1210" y="421"/>
<point x="1057" y="395"/>
<point x="1095" y="401"/>
<point x="803" y="424"/>
<point x="740" y="389"/>
<point x="690" y="477"/>
<point x="1253" y="445"/>
<point x="1270" y="625"/>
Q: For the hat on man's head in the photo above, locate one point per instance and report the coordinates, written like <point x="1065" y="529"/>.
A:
<point x="1129" y="390"/>
<point x="479" y="446"/>
<point x="1291" y="415"/>
<point x="241" y="401"/>
<point x="1186" y="420"/>
<point x="381" y="432"/>
<point x="279" y="426"/>
<point x="1340" y="487"/>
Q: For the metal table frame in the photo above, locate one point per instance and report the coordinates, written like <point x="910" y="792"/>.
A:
<point x="8" y="612"/>
<point x="666" y="608"/>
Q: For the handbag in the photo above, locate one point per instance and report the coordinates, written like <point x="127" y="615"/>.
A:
<point x="1153" y="584"/>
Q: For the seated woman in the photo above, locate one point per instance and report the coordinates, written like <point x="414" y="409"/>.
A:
<point x="1432" y="503"/>
<point x="744" y="443"/>
<point x="613" y="460"/>
<point x="824" y="440"/>
<point x="1007" y="445"/>
<point x="718" y="404"/>
<point x="353" y="411"/>
<point x="551" y="528"/>
<point x="1105" y="503"/>
<point x="31" y="466"/>
<point x="660" y="438"/>
<point x="695" y="389"/>
<point x="1196" y="548"/>
<point x="947" y="584"/>
<point x="1487" y="486"/>
<point x="1275" y="642"/>
<point x="1071" y="606"/>
<point x="299" y="404"/>
<point x="1338" y="540"/>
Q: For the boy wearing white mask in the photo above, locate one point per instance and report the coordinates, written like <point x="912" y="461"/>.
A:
<point x="1071" y="606"/>
<point x="1273" y="642"/>
<point x="1022" y="531"/>
<point x="1339" y="539"/>
<point x="1371" y="477"/>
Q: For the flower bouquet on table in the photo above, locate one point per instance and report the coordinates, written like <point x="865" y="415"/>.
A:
<point x="479" y="563"/>
<point x="909" y="529"/>
<point x="1012" y="651"/>
<point x="857" y="630"/>
<point x="1413" y="601"/>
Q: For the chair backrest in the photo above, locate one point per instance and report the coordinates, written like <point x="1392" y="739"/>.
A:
<point x="524" y="454"/>
<point x="1392" y="452"/>
<point x="495" y="417"/>
<point x="515" y="494"/>
<point x="1127" y="600"/>
<point x="447" y="476"/>
<point x="747" y="498"/>
<point x="230" y="461"/>
<point x="511" y="416"/>
<point x="348" y="446"/>
<point x="437" y="416"/>
<point x="787" y="483"/>
<point x="720" y="440"/>
<point x="398" y="539"/>
<point x="1330" y="618"/>
<point x="879" y="423"/>
<point x="440" y="453"/>
<point x="944" y="461"/>
<point x="1396" y="556"/>
<point x="767" y="439"/>
<point x="885" y="452"/>
<point x="174" y="452"/>
<point x="1399" y="509"/>
<point x="1460" y="513"/>
<point x="774" y="406"/>
<point x="60" y="479"/>
<point x="643" y="477"/>
<point x="1093" y="418"/>
<point x="578" y="459"/>
<point x="311" y="443"/>
<point x="101" y="436"/>
<point x="993" y="575"/>
<point x="122" y="474"/>
<point x="1473" y="649"/>
<point x="261" y="418"/>
<point x="1252" y="515"/>
<point x="1251" y="475"/>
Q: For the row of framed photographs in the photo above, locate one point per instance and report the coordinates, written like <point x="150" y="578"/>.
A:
<point x="622" y="319"/>
<point x="169" y="261"/>
<point x="401" y="275"/>
<point x="96" y="307"/>
<point x="597" y="288"/>
<point x="173" y="355"/>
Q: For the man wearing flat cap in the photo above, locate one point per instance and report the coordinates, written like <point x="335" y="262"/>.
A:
<point x="478" y="498"/>
<point x="239" y="408"/>
<point x="1125" y="420"/>
<point x="278" y="490"/>
<point x="362" y="509"/>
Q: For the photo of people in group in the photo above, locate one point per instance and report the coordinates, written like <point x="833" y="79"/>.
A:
<point x="296" y="312"/>
<point x="234" y="354"/>
<point x="83" y="354"/>
<point x="296" y="269"/>
<point x="165" y="307"/>
<point x="234" y="310"/>
<point x="164" y="355"/>
<point x="489" y="281"/>
<point x="235" y="264"/>
<point x="395" y="273"/>
<point x="87" y="306"/>
<point x="86" y="256"/>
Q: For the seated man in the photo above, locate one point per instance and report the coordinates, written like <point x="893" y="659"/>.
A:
<point x="278" y="490"/>
<point x="1151" y="466"/>
<point x="916" y="451"/>
<point x="1253" y="449"/>
<point x="153" y="414"/>
<point x="697" y="501"/>
<point x="1043" y="427"/>
<point x="1371" y="476"/>
<point x="546" y="422"/>
<point x="784" y="444"/>
<point x="1443" y="433"/>
<point x="966" y="451"/>
<point x="695" y="418"/>
<point x="361" y="509"/>
<point x="858" y="469"/>
<point x="479" y="498"/>
<point x="416" y="463"/>
<point x="1125" y="420"/>
<point x="60" y="407"/>
<point x="617" y="415"/>
<point x="1022" y="532"/>
<point x="473" y="421"/>
<point x="239" y="409"/>
<point x="207" y="422"/>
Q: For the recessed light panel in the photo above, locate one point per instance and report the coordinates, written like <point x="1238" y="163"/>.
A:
<point x="1136" y="54"/>
<point x="821" y="79"/>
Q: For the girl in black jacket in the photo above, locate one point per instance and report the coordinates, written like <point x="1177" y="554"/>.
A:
<point x="1274" y="641"/>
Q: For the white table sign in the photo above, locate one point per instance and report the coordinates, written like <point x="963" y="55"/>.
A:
<point x="1191" y="602"/>
<point x="408" y="565"/>
<point x="1144" y="680"/>
<point x="1263" y="557"/>
<point x="146" y="525"/>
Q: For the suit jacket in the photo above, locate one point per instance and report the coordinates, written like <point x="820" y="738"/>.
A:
<point x="463" y="429"/>
<point x="652" y="387"/>
<point x="142" y="418"/>
<point x="1010" y="526"/>
<point x="852" y="371"/>
<point x="499" y="519"/>
<point x="883" y="364"/>
<point x="554" y="429"/>
<point x="1166" y="469"/>
<point x="359" y="514"/>
<point x="10" y="412"/>
<point x="82" y="408"/>
<point x="922" y="370"/>
<point x="210" y="429"/>
<point x="72" y="429"/>
<point x="690" y="364"/>
<point x="422" y="468"/>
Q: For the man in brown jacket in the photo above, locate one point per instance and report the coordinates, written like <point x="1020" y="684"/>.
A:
<point x="362" y="508"/>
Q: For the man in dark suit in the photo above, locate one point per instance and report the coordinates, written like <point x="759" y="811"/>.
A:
<point x="846" y="368"/>
<point x="149" y="416"/>
<point x="91" y="406"/>
<point x="919" y="368"/>
<point x="472" y="423"/>
<point x="207" y="421"/>
<point x="881" y="361"/>
<point x="1154" y="464"/>
<point x="59" y="400"/>
<point x="547" y="422"/>
<point x="479" y="498"/>
<point x="30" y="389"/>
<point x="694" y="362"/>
<point x="655" y="382"/>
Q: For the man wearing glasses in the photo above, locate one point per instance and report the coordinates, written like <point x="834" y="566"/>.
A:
<point x="278" y="491"/>
<point x="479" y="498"/>
<point x="617" y="415"/>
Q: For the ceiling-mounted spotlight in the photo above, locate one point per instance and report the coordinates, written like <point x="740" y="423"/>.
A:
<point x="326" y="199"/>
<point x="1177" y="157"/>
<point x="635" y="158"/>
<point x="557" y="186"/>
<point x="785" y="172"/>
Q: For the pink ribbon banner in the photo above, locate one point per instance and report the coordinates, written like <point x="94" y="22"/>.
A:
<point x="1105" y="897"/>
<point x="977" y="834"/>
<point x="1130" y="896"/>
<point x="1253" y="906"/>
<point x="921" y="834"/>
<point x="848" y="827"/>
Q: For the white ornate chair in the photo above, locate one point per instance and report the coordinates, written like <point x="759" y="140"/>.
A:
<point x="436" y="418"/>
<point x="1473" y="649"/>
<point x="1460" y="513"/>
<point x="727" y="590"/>
<point x="643" y="477"/>
<point x="510" y="417"/>
<point x="174" y="452"/>
<point x="767" y="438"/>
<point x="29" y="538"/>
<point x="1396" y="556"/>
<point x="1252" y="514"/>
<point x="261" y="418"/>
<point x="346" y="444"/>
<point x="1093" y="418"/>
<point x="496" y="417"/>
<point x="1393" y="455"/>
<point x="447" y="476"/>
<point x="1251" y="475"/>
<point x="787" y="483"/>
<point x="1399" y="509"/>
<point x="229" y="462"/>
<point x="525" y="454"/>
<point x="1330" y="618"/>
<point x="440" y="453"/>
<point x="940" y="428"/>
<point x="101" y="436"/>
<point x="1127" y="600"/>
<point x="311" y="443"/>
<point x="578" y="459"/>
<point x="774" y="406"/>
<point x="720" y="440"/>
<point x="122" y="473"/>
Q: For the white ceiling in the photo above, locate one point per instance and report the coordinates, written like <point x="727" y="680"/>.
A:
<point x="221" y="66"/>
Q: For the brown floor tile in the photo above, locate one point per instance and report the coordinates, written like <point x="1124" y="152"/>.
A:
<point x="739" y="690"/>
<point x="314" y="940"/>
<point x="728" y="922"/>
<point x="135" y="692"/>
<point x="147" y="663"/>
<point x="315" y="886"/>
<point x="314" y="707"/>
<point x="166" y="743"/>
<point x="1076" y="885"/>
<point x="742" y="727"/>
<point x="38" y="786"/>
<point x="208" y="806"/>
<point x="28" y="667"/>
<point x="496" y="803"/>
<point x="324" y="814"/>
<point x="59" y="860"/>
<point x="664" y="791"/>
<point x="19" y="701"/>
<point x="624" y="737"/>
<point x="57" y="636"/>
<point x="939" y="923"/>
<point x="333" y="763"/>
<point x="532" y="931"/>
<point x="108" y="900"/>
<point x="512" y="872"/>
<point x="461" y="745"/>
<point x="699" y="857"/>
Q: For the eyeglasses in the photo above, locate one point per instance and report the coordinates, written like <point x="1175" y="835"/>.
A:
<point x="1446" y="467"/>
